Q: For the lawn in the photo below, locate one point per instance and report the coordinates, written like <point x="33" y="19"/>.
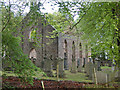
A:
<point x="106" y="67"/>
<point x="80" y="77"/>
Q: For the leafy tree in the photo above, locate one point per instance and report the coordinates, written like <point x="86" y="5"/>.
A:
<point x="12" y="53"/>
<point x="99" y="23"/>
<point x="59" y="21"/>
<point x="100" y="26"/>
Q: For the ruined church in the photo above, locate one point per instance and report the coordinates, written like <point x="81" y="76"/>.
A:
<point x="66" y="46"/>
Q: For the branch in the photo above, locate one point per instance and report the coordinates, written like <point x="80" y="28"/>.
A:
<point x="8" y="18"/>
<point x="77" y="22"/>
<point x="79" y="19"/>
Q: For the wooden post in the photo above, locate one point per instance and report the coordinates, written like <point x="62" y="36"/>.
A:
<point x="43" y="85"/>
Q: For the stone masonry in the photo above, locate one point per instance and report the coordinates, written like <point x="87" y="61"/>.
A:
<point x="60" y="46"/>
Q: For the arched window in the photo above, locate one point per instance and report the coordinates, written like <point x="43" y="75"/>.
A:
<point x="86" y="52"/>
<point x="80" y="50"/>
<point x="79" y="61"/>
<point x="32" y="35"/>
<point x="65" y="45"/>
<point x="73" y="50"/>
<point x="65" y="55"/>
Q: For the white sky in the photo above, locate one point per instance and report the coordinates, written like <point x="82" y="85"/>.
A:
<point x="47" y="6"/>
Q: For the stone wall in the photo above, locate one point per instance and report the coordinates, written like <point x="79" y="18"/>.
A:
<point x="51" y="47"/>
<point x="69" y="39"/>
<point x="44" y="46"/>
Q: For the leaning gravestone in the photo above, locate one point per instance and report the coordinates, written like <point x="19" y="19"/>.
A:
<point x="48" y="67"/>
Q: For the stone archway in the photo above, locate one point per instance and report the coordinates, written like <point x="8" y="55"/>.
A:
<point x="33" y="55"/>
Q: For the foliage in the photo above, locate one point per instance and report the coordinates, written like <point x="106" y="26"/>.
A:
<point x="12" y="54"/>
<point x="100" y="27"/>
<point x="98" y="23"/>
<point x="58" y="20"/>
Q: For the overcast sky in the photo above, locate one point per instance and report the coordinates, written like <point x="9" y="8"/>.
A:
<point x="47" y="6"/>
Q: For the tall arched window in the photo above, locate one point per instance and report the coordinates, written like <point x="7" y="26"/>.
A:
<point x="65" y="43"/>
<point x="65" y="55"/>
<point x="32" y="35"/>
<point x="80" y="50"/>
<point x="73" y="51"/>
<point x="79" y="61"/>
<point x="86" y="53"/>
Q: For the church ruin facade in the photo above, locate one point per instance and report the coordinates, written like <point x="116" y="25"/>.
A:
<point x="64" y="45"/>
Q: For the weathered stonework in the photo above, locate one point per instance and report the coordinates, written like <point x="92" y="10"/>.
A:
<point x="61" y="46"/>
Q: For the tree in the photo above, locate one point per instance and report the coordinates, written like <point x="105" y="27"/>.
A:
<point x="101" y="28"/>
<point x="12" y="53"/>
<point x="59" y="21"/>
<point x="99" y="23"/>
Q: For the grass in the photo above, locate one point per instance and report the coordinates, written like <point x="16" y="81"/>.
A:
<point x="80" y="77"/>
<point x="105" y="67"/>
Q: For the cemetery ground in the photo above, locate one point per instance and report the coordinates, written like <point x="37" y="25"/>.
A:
<point x="71" y="80"/>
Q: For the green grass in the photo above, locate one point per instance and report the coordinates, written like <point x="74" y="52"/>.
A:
<point x="105" y="67"/>
<point x="80" y="77"/>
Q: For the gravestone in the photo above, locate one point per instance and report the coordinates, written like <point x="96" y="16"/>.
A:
<point x="48" y="67"/>
<point x="97" y="65"/>
<point x="80" y="65"/>
<point x="74" y="67"/>
<point x="61" y="68"/>
<point x="90" y="70"/>
<point x="86" y="69"/>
